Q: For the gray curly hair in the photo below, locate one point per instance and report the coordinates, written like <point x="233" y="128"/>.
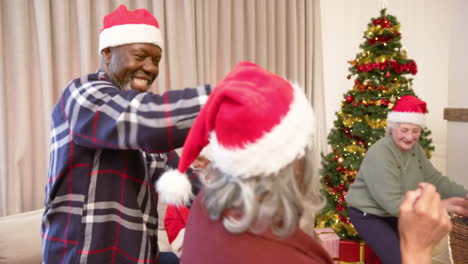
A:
<point x="275" y="201"/>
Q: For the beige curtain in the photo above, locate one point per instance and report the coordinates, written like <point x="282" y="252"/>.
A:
<point x="46" y="43"/>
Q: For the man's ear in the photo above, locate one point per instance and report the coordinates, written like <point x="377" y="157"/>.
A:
<point x="107" y="55"/>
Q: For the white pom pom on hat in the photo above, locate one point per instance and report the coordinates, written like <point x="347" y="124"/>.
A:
<point x="255" y="123"/>
<point x="174" y="187"/>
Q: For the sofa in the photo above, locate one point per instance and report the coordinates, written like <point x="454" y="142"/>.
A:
<point x="20" y="238"/>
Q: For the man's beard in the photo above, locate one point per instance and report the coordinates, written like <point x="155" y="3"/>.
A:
<point x="127" y="86"/>
<point x="126" y="83"/>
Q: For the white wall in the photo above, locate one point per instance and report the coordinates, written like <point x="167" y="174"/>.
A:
<point x="425" y="33"/>
<point x="457" y="141"/>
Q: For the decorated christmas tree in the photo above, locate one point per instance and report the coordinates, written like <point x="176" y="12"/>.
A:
<point x="380" y="72"/>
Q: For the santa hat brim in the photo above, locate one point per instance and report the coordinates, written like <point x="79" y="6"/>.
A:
<point x="407" y="117"/>
<point x="129" y="34"/>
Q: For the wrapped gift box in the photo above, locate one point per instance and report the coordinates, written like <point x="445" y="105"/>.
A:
<point x="352" y="251"/>
<point x="330" y="241"/>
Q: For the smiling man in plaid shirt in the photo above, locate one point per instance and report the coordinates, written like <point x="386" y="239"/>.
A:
<point x="111" y="140"/>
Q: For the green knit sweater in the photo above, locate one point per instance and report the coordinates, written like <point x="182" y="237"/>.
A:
<point x="387" y="173"/>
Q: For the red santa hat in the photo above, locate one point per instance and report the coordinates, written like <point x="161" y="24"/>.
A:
<point x="409" y="109"/>
<point x="255" y="122"/>
<point x="125" y="27"/>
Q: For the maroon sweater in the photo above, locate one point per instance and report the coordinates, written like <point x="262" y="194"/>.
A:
<point x="208" y="242"/>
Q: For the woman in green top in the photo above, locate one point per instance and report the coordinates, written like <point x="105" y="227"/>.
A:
<point x="392" y="166"/>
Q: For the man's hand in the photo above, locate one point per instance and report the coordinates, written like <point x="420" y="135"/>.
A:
<point x="457" y="205"/>
<point x="422" y="223"/>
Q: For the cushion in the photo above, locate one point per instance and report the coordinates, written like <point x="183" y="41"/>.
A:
<point x="20" y="238"/>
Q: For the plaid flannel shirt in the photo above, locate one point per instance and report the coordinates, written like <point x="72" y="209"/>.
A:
<point x="108" y="148"/>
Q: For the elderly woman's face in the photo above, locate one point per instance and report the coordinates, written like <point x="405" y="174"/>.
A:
<point x="405" y="135"/>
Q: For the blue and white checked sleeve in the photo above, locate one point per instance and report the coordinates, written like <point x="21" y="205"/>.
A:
<point x="100" y="115"/>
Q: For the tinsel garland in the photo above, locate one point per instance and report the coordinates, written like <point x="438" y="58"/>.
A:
<point x="348" y="121"/>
